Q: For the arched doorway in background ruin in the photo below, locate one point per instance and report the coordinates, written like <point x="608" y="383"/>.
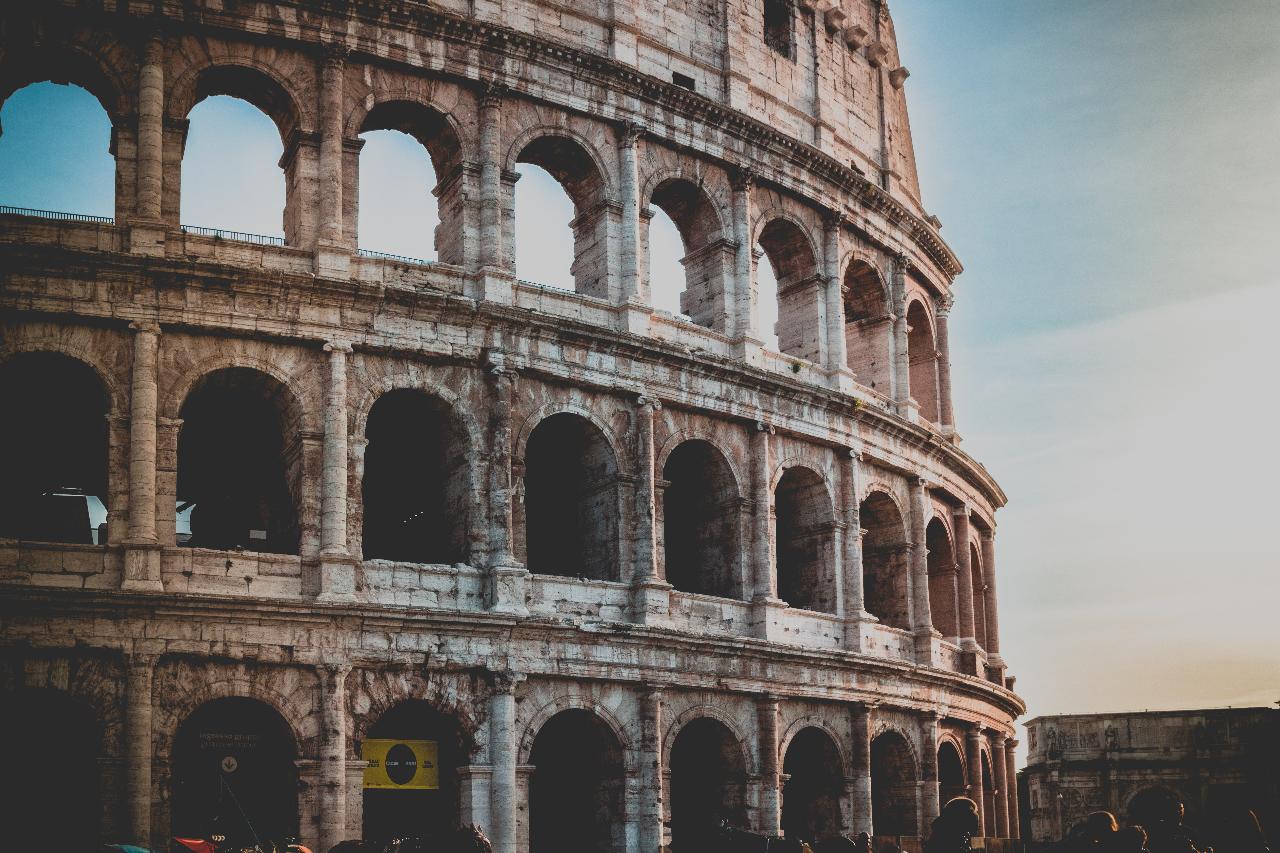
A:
<point x="708" y="782"/>
<point x="893" y="786"/>
<point x="951" y="780"/>
<point x="409" y="809"/>
<point x="234" y="773"/>
<point x="804" y="525"/>
<point x="577" y="788"/>
<point x="700" y="521"/>
<point x="943" y="582"/>
<point x="884" y="561"/>
<point x="811" y="795"/>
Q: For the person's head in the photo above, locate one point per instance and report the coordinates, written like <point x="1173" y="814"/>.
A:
<point x="961" y="815"/>
<point x="1130" y="839"/>
<point x="1099" y="825"/>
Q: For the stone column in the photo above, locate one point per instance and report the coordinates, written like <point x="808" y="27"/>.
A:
<point x="922" y="624"/>
<point x="333" y="754"/>
<point x="901" y="353"/>
<point x="503" y="749"/>
<point x="633" y="287"/>
<point x="993" y="618"/>
<point x="337" y="570"/>
<point x="837" y="354"/>
<point x="968" y="639"/>
<point x="333" y="259"/>
<point x="506" y="585"/>
<point x="151" y="129"/>
<point x="764" y="595"/>
<point x="999" y="769"/>
<point x="973" y="763"/>
<point x="946" y="413"/>
<point x="1011" y="788"/>
<point x="492" y="253"/>
<point x="651" y="769"/>
<point x="137" y="723"/>
<point x="851" y="563"/>
<point x="929" y="792"/>
<point x="743" y="323"/>
<point x="651" y="596"/>
<point x="142" y="548"/>
<point x="860" y="769"/>
<point x="770" y="780"/>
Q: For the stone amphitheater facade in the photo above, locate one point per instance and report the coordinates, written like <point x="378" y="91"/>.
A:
<point x="653" y="570"/>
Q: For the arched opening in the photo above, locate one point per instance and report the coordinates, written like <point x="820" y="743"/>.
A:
<point x="51" y="789"/>
<point x="893" y="786"/>
<point x="234" y="773"/>
<point x="688" y="263"/>
<point x="53" y="450"/>
<point x="576" y="792"/>
<point x="867" y="327"/>
<point x="700" y="521"/>
<point x="239" y="464"/>
<point x="417" y="482"/>
<point x="571" y="500"/>
<point x="708" y="783"/>
<point x="804" y="530"/>
<point x="795" y="270"/>
<point x="236" y="173"/>
<point x="56" y="149"/>
<point x="922" y="353"/>
<point x="811" y="794"/>
<point x="410" y="182"/>
<point x="1151" y="806"/>
<point x="943" y="592"/>
<point x="416" y="800"/>
<point x="884" y="561"/>
<point x="988" y="796"/>
<point x="539" y="210"/>
<point x="951" y="782"/>
<point x="979" y="595"/>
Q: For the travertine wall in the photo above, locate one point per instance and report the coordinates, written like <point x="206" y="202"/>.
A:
<point x="569" y="414"/>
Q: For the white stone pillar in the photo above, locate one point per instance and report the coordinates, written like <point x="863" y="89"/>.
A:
<point x="506" y="583"/>
<point x="492" y="251"/>
<point x="851" y="563"/>
<point x="151" y="129"/>
<point x="651" y="769"/>
<point x="964" y="568"/>
<point x="946" y="411"/>
<point x="922" y="624"/>
<point x="860" y="769"/>
<point x="142" y="548"/>
<point x="743" y="316"/>
<point x="999" y="769"/>
<point x="764" y="594"/>
<point x="651" y="597"/>
<point x="333" y="259"/>
<point x="1011" y="788"/>
<point x="973" y="763"/>
<point x="333" y="754"/>
<point x="837" y="352"/>
<point x="901" y="352"/>
<point x="993" y="616"/>
<point x="137" y="721"/>
<point x="503" y="748"/>
<point x="633" y="287"/>
<point x="337" y="570"/>
<point x="770" y="779"/>
<point x="930" y="795"/>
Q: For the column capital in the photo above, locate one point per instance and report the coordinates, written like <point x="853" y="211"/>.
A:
<point x="1011" y="743"/>
<point x="147" y="326"/>
<point x="338" y="346"/>
<point x="945" y="305"/>
<point x="767" y="428"/>
<point x="975" y="731"/>
<point x="647" y="401"/>
<point x="337" y="671"/>
<point x="902" y="260"/>
<point x="334" y="55"/>
<point x="629" y="133"/>
<point x="742" y="178"/>
<point x="505" y="681"/>
<point x="833" y="220"/>
<point x="141" y="663"/>
<point x="492" y="93"/>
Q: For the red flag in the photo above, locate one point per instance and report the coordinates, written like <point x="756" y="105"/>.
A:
<point x="199" y="845"/>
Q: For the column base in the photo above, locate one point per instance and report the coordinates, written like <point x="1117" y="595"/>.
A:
<point x="926" y="647"/>
<point x="854" y="639"/>
<point x="333" y="261"/>
<point x="651" y="603"/>
<point x="842" y="379"/>
<point x="634" y="317"/>
<point x="493" y="284"/>
<point x="749" y="350"/>
<point x="337" y="574"/>
<point x="505" y="586"/>
<point x="766" y="619"/>
<point x="141" y="568"/>
<point x="147" y="238"/>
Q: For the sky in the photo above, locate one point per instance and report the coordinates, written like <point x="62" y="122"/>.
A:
<point x="1109" y="174"/>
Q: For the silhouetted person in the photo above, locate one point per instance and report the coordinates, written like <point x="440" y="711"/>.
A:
<point x="1165" y="831"/>
<point x="1130" y="839"/>
<point x="953" y="828"/>
<point x="1239" y="831"/>
<point x="1093" y="833"/>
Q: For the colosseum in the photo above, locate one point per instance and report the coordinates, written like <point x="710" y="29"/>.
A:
<point x="613" y="570"/>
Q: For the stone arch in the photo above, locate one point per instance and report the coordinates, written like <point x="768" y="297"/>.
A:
<point x="884" y="558"/>
<point x="712" y="712"/>
<point x="922" y="353"/>
<point x="579" y="702"/>
<point x="811" y="796"/>
<point x="95" y="67"/>
<point x="804" y="524"/>
<point x="301" y="389"/>
<point x="117" y="387"/>
<point x="700" y="520"/>
<point x="403" y="109"/>
<point x="951" y="769"/>
<point x="1148" y="800"/>
<point x="707" y="769"/>
<point x="679" y="437"/>
<point x="792" y="251"/>
<point x="894" y="771"/>
<point x="371" y="693"/>
<point x="814" y="721"/>
<point x="868" y="326"/>
<point x="572" y="137"/>
<point x="944" y="604"/>
<point x="530" y="423"/>
<point x="248" y="79"/>
<point x="572" y="499"/>
<point x="707" y="259"/>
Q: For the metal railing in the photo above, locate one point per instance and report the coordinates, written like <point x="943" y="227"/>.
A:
<point x="55" y="214"/>
<point x="240" y="236"/>
<point x="387" y="256"/>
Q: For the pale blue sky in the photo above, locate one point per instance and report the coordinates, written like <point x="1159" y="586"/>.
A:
<point x="1109" y="172"/>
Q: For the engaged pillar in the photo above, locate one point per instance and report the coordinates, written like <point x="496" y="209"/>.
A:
<point x="651" y="597"/>
<point x="770" y="780"/>
<point x="901" y="354"/>
<point x="851" y="563"/>
<point x="944" y="367"/>
<point x="503" y="790"/>
<point x="146" y="232"/>
<point x="1011" y="788"/>
<point x="922" y="624"/>
<point x="973" y="763"/>
<point x="505" y="591"/>
<point x="837" y="363"/>
<point x="860" y="770"/>
<point x="960" y="521"/>
<point x="929" y="793"/>
<point x="999" y="767"/>
<point x="993" y="616"/>
<point x="137" y="721"/>
<point x="337" y="568"/>
<point x="651" y="769"/>
<point x="333" y="755"/>
<point x="766" y="607"/>
<point x="333" y="256"/>
<point x="142" y="548"/>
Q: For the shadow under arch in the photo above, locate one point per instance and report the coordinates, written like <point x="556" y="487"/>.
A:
<point x="893" y="785"/>
<point x="811" y="809"/>
<point x="922" y="353"/>
<point x="708" y="259"/>
<point x="944" y="593"/>
<point x="804" y="522"/>
<point x="701" y="521"/>
<point x="577" y="789"/>
<point x="708" y="782"/>
<point x="884" y="559"/>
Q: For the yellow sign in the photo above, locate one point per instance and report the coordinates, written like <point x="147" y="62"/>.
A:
<point x="402" y="765"/>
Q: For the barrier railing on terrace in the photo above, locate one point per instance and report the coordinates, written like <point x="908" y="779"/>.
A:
<point x="240" y="236"/>
<point x="55" y="214"/>
<point x="387" y="256"/>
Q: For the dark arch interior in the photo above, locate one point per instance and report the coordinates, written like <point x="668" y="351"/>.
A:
<point x="811" y="797"/>
<point x="234" y="773"/>
<point x="576" y="792"/>
<point x="51" y="787"/>
<point x="806" y="575"/>
<point x="416" y="812"/>
<point x="950" y="772"/>
<point x="708" y="783"/>
<point x="884" y="560"/>
<point x="867" y="326"/>
<point x="922" y="352"/>
<point x="571" y="500"/>
<point x="796" y="270"/>
<point x="705" y="268"/>
<point x="943" y="593"/>
<point x="239" y="468"/>
<point x="700" y="521"/>
<point x="54" y="456"/>
<point x="416" y="481"/>
<point x="893" y="789"/>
